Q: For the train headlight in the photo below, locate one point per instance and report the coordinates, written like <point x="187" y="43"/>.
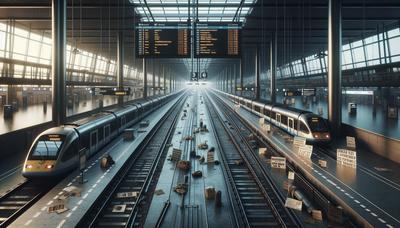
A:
<point x="316" y="136"/>
<point x="49" y="166"/>
<point x="327" y="136"/>
<point x="28" y="166"/>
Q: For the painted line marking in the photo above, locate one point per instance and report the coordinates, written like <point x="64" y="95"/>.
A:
<point x="84" y="196"/>
<point x="80" y="202"/>
<point x="381" y="220"/>
<point x="61" y="223"/>
<point x="73" y="209"/>
<point x="69" y="215"/>
<point x="37" y="214"/>
<point x="28" y="222"/>
<point x="50" y="202"/>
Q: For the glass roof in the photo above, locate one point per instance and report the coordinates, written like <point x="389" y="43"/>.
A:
<point x="208" y="10"/>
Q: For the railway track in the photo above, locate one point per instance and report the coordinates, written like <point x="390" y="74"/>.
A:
<point x="116" y="207"/>
<point x="319" y="199"/>
<point x="257" y="199"/>
<point x="19" y="199"/>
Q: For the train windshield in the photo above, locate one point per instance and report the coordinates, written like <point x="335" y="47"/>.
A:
<point x="317" y="124"/>
<point x="47" y="147"/>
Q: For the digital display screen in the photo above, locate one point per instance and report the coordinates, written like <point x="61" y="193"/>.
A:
<point x="217" y="40"/>
<point x="162" y="40"/>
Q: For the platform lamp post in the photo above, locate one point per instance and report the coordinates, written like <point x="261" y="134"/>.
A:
<point x="58" y="62"/>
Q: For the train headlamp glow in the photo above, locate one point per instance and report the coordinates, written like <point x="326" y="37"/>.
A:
<point x="316" y="136"/>
<point x="49" y="166"/>
<point x="28" y="166"/>
<point x="327" y="136"/>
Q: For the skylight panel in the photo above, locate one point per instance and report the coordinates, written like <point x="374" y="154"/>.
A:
<point x="177" y="10"/>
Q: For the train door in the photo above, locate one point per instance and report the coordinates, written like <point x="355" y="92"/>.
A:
<point x="107" y="133"/>
<point x="291" y="125"/>
<point x="278" y="119"/>
<point x="93" y="141"/>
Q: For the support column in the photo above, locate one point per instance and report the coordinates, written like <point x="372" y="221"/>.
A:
<point x="273" y="56"/>
<point x="233" y="77"/>
<point x="229" y="80"/>
<point x="257" y="73"/>
<point x="170" y="81"/>
<point x="335" y="66"/>
<point x="160" y="72"/>
<point x="144" y="78"/>
<point x="153" y="72"/>
<point x="173" y="84"/>
<point x="58" y="62"/>
<point x="164" y="80"/>
<point x="237" y="71"/>
<point x="241" y="76"/>
<point x="226" y="79"/>
<point x="120" y="65"/>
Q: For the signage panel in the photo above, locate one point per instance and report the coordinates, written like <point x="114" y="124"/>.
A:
<point x="162" y="40"/>
<point x="217" y="40"/>
<point x="278" y="162"/>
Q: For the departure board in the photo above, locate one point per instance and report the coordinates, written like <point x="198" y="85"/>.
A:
<point x="217" y="40"/>
<point x="162" y="40"/>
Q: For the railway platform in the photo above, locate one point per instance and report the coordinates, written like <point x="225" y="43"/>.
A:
<point x="191" y="209"/>
<point x="96" y="181"/>
<point x="368" y="192"/>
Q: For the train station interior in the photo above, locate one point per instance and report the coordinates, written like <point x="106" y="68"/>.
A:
<point x="199" y="113"/>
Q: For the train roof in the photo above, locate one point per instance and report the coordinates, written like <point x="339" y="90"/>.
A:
<point x="60" y="130"/>
<point x="91" y="118"/>
<point x="291" y="109"/>
<point x="123" y="110"/>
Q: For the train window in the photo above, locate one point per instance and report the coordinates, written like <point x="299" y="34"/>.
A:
<point x="317" y="124"/>
<point x="71" y="151"/>
<point x="84" y="141"/>
<point x="114" y="126"/>
<point x="272" y="115"/>
<point x="248" y="104"/>
<point x="257" y="108"/>
<point x="278" y="117"/>
<point x="101" y="133"/>
<point x="303" y="128"/>
<point x="47" y="147"/>
<point x="93" y="137"/>
<point x="123" y="121"/>
<point x="106" y="131"/>
<point x="295" y="124"/>
<point x="290" y="123"/>
<point x="284" y="119"/>
<point x="266" y="112"/>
